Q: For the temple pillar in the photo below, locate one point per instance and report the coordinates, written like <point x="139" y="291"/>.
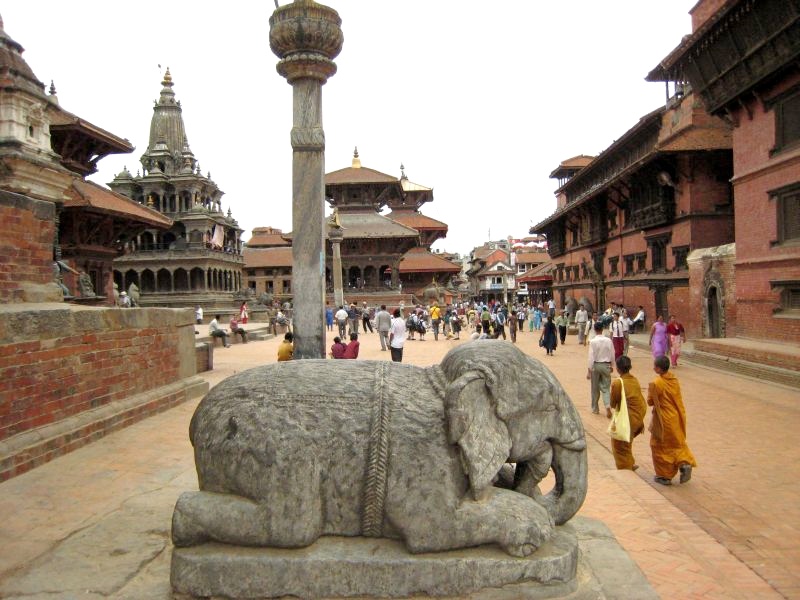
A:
<point x="306" y="36"/>
<point x="335" y="236"/>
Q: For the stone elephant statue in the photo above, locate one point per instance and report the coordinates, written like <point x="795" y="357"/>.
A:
<point x="291" y="451"/>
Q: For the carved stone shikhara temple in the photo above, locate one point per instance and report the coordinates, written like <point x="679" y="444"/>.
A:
<point x="199" y="259"/>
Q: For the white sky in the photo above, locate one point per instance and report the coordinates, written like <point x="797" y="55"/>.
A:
<point x="479" y="100"/>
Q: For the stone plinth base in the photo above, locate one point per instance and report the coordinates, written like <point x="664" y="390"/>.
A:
<point x="338" y="567"/>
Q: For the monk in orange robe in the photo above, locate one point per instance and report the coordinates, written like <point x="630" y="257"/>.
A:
<point x="637" y="409"/>
<point x="668" y="428"/>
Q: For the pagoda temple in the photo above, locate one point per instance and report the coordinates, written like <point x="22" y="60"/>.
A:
<point x="199" y="259"/>
<point x="420" y="267"/>
<point x="372" y="244"/>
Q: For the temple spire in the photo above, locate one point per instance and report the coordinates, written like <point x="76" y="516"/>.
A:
<point x="356" y="160"/>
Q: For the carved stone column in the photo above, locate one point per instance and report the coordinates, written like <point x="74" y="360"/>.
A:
<point x="307" y="36"/>
<point x="335" y="236"/>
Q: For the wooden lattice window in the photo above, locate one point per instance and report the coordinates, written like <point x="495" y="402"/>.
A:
<point x="613" y="265"/>
<point x="787" y="120"/>
<point x="788" y="212"/>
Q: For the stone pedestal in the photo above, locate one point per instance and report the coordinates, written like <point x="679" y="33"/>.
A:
<point x="338" y="567"/>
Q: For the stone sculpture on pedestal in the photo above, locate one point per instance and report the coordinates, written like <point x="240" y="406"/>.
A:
<point x="289" y="452"/>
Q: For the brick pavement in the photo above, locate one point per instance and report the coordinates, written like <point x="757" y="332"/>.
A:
<point x="730" y="533"/>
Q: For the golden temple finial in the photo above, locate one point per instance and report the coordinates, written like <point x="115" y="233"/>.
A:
<point x="356" y="160"/>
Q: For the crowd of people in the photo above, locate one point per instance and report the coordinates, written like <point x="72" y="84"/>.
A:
<point x="606" y="336"/>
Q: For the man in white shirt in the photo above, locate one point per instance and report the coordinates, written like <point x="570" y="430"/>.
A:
<point x="627" y="326"/>
<point x="341" y="321"/>
<point x="601" y="355"/>
<point x="617" y="336"/>
<point x="581" y="318"/>
<point x="397" y="336"/>
<point x="551" y="307"/>
<point x="639" y="318"/>
<point x="214" y="330"/>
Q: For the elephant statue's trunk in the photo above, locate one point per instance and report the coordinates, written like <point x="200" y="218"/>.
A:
<point x="568" y="493"/>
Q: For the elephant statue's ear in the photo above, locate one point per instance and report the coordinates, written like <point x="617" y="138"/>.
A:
<point x="473" y="424"/>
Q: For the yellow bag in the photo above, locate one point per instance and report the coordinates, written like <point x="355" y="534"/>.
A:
<point x="620" y="426"/>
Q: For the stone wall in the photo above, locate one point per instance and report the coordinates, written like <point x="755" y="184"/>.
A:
<point x="71" y="374"/>
<point x="712" y="281"/>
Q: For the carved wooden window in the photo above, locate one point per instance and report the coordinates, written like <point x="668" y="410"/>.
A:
<point x="788" y="212"/>
<point x="612" y="220"/>
<point x="270" y="286"/>
<point x="598" y="260"/>
<point x="641" y="262"/>
<point x="658" y="251"/>
<point x="575" y="273"/>
<point x="287" y="286"/>
<point x="787" y="120"/>
<point x="789" y="296"/>
<point x="613" y="265"/>
<point x="680" y="253"/>
<point x="629" y="260"/>
<point x="584" y="271"/>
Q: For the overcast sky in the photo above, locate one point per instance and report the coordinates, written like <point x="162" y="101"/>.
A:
<point x="479" y="100"/>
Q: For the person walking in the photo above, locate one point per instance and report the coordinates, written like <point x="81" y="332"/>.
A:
<point x="562" y="322"/>
<point x="486" y="319"/>
<point x="512" y="328"/>
<point x="397" y="336"/>
<point x="581" y="320"/>
<point x="383" y="323"/>
<point x="551" y="308"/>
<point x="637" y="409"/>
<point x="532" y="319"/>
<point x="521" y="319"/>
<point x="366" y="319"/>
<point x="549" y="337"/>
<point x="455" y="325"/>
<point x="286" y="348"/>
<point x="244" y="313"/>
<point x="671" y="453"/>
<point x="198" y="311"/>
<point x="676" y="337"/>
<point x="328" y="317"/>
<point x="353" y="317"/>
<point x="617" y="336"/>
<point x="436" y="320"/>
<point x="601" y="355"/>
<point x="341" y="321"/>
<point x="537" y="318"/>
<point x="658" y="338"/>
<point x="214" y="330"/>
<point x="499" y="324"/>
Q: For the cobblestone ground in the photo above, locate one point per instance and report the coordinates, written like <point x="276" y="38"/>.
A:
<point x="732" y="532"/>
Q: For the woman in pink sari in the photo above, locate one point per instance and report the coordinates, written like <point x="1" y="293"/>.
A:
<point x="676" y="336"/>
<point x="658" y="338"/>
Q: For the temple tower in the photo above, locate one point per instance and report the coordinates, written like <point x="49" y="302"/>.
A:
<point x="199" y="260"/>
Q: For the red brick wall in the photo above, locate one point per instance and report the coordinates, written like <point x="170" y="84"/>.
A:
<point x="56" y="363"/>
<point x="26" y="245"/>
<point x="760" y="257"/>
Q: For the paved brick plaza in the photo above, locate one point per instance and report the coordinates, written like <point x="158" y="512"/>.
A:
<point x="95" y="523"/>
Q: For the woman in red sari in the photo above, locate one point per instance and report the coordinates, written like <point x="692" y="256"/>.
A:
<point x="676" y="336"/>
